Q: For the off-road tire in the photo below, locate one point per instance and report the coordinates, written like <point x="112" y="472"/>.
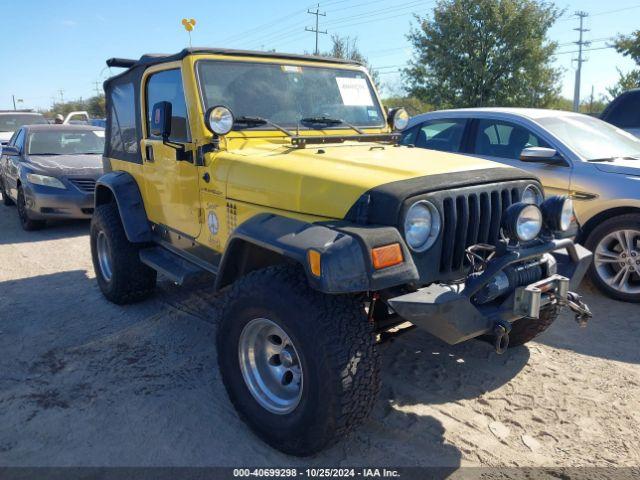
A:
<point x="5" y="198"/>
<point x="526" y="329"/>
<point x="131" y="280"/>
<point x="27" y="223"/>
<point x="631" y="220"/>
<point x="336" y="346"/>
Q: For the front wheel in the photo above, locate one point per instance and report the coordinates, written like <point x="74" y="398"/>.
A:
<point x="615" y="270"/>
<point x="27" y="222"/>
<point x="300" y="367"/>
<point x="121" y="276"/>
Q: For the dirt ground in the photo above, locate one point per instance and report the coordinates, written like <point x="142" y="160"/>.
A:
<point x="87" y="383"/>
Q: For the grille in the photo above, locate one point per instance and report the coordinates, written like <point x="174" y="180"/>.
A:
<point x="84" y="184"/>
<point x="472" y="218"/>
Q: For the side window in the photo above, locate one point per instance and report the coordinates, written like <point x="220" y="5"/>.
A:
<point x="123" y="137"/>
<point x="502" y="139"/>
<point x="18" y="140"/>
<point x="626" y="112"/>
<point x="166" y="86"/>
<point x="444" y="135"/>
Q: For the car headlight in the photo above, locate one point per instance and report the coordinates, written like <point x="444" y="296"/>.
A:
<point x="422" y="225"/>
<point x="522" y="222"/>
<point x="44" y="180"/>
<point x="532" y="195"/>
<point x="558" y="213"/>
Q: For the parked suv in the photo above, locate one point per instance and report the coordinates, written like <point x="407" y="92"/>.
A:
<point x="278" y="180"/>
<point x="624" y="112"/>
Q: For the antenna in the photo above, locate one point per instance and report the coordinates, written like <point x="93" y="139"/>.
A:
<point x="316" y="30"/>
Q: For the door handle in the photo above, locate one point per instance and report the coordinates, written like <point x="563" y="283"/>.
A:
<point x="149" y="153"/>
<point x="206" y="177"/>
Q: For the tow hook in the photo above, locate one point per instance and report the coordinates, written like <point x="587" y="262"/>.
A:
<point x="501" y="331"/>
<point x="577" y="306"/>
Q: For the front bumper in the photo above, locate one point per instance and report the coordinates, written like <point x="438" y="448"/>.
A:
<point x="51" y="203"/>
<point x="448" y="312"/>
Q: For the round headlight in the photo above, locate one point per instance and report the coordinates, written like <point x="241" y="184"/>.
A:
<point x="219" y="120"/>
<point x="398" y="118"/>
<point x="558" y="213"/>
<point x="532" y="195"/>
<point x="422" y="226"/>
<point x="522" y="222"/>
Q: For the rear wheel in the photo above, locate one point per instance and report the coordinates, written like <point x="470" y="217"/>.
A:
<point x="121" y="276"/>
<point x="300" y="367"/>
<point x="615" y="270"/>
<point x="27" y="223"/>
<point x="5" y="198"/>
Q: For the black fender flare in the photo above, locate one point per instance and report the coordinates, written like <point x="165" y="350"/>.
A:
<point x="346" y="265"/>
<point x="123" y="188"/>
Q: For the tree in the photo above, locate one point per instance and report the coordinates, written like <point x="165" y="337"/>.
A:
<point x="628" y="46"/>
<point x="94" y="105"/>
<point x="347" y="49"/>
<point x="475" y="53"/>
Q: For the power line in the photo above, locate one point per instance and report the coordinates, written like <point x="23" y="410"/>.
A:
<point x="317" y="30"/>
<point x="581" y="43"/>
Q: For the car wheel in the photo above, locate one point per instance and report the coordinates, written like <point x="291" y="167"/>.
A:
<point x="5" y="198"/>
<point x="300" y="367"/>
<point x="121" y="276"/>
<point x="615" y="270"/>
<point x="27" y="223"/>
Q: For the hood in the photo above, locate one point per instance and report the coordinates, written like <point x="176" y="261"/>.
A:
<point x="622" y="166"/>
<point x="634" y="131"/>
<point x="67" y="165"/>
<point x="326" y="180"/>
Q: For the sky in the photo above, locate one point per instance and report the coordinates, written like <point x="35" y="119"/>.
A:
<point x="57" y="49"/>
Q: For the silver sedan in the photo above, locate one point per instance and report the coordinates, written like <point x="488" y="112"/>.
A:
<point x="595" y="163"/>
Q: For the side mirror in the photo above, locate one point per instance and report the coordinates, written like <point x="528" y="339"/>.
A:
<point x="541" y="155"/>
<point x="161" y="120"/>
<point x="10" y="150"/>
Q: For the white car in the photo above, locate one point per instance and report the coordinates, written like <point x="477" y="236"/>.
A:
<point x="12" y="120"/>
<point x="593" y="162"/>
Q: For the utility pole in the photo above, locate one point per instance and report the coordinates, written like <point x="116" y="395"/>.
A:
<point x="581" y="43"/>
<point x="61" y="92"/>
<point x="13" y="97"/>
<point x="97" y="85"/>
<point x="316" y="30"/>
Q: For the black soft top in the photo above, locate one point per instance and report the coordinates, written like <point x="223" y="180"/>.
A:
<point x="156" y="58"/>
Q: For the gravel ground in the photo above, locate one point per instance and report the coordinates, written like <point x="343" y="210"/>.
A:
<point x="87" y="383"/>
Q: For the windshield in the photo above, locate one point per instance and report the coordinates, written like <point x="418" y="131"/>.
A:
<point x="67" y="142"/>
<point x="285" y="94"/>
<point x="10" y="122"/>
<point x="592" y="138"/>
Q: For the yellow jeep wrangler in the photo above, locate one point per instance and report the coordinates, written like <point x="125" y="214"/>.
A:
<point x="279" y="180"/>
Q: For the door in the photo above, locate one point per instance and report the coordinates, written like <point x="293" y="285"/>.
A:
<point x="12" y="165"/>
<point x="170" y="175"/>
<point x="503" y="141"/>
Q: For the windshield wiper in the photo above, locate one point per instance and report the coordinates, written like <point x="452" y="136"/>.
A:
<point x="330" y="121"/>
<point x="249" y="121"/>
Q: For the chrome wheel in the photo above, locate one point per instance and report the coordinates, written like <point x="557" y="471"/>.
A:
<point x="617" y="260"/>
<point x="104" y="256"/>
<point x="270" y="366"/>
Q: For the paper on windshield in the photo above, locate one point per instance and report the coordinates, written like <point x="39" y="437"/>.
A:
<point x="354" y="92"/>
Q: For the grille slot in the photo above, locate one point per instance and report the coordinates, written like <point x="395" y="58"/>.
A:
<point x="469" y="219"/>
<point x="84" y="184"/>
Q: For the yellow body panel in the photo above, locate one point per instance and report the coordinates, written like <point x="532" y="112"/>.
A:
<point x="260" y="171"/>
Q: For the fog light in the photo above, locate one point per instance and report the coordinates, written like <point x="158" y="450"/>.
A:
<point x="558" y="213"/>
<point x="522" y="222"/>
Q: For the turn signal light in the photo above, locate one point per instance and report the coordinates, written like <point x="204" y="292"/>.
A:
<point x="313" y="257"/>
<point x="387" y="256"/>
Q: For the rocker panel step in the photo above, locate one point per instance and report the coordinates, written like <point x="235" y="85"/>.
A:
<point x="172" y="266"/>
